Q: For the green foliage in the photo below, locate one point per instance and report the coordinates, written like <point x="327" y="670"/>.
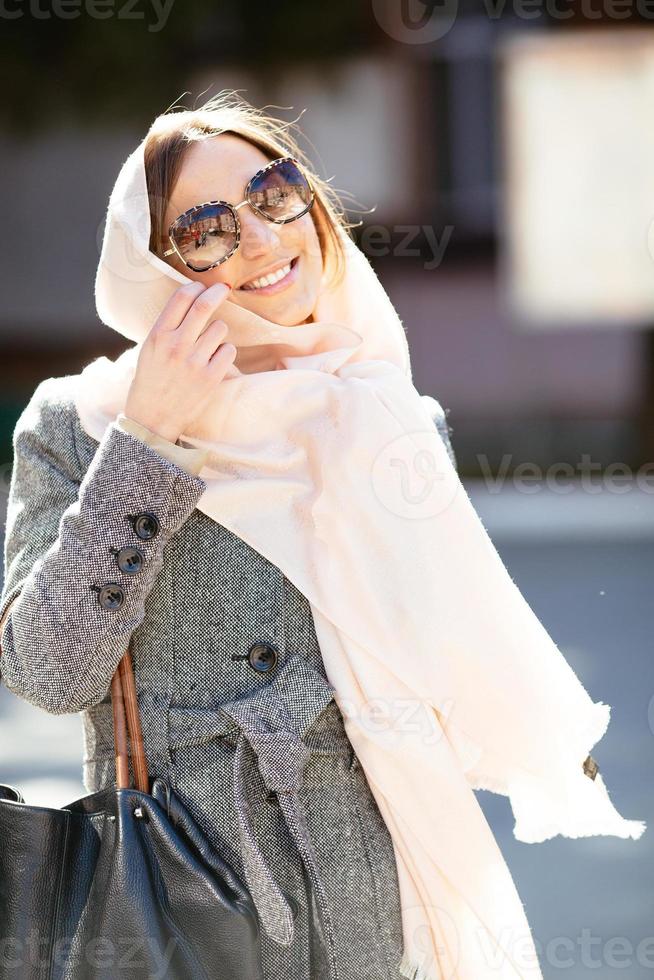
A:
<point x="98" y="60"/>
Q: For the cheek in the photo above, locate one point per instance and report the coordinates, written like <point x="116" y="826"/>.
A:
<point x="195" y="276"/>
<point x="313" y="272"/>
<point x="300" y="237"/>
<point x="309" y="244"/>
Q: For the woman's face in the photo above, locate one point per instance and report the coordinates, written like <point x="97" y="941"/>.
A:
<point x="219" y="169"/>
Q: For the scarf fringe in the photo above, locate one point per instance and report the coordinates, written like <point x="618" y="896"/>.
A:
<point x="538" y="833"/>
<point x="413" y="972"/>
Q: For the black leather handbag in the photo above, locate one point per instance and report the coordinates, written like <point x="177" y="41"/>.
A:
<point x="121" y="883"/>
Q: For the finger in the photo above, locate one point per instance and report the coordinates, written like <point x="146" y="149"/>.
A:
<point x="209" y="340"/>
<point x="224" y="356"/>
<point x="177" y="306"/>
<point x="202" y="311"/>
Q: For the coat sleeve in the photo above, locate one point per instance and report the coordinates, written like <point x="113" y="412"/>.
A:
<point x="188" y="457"/>
<point x="59" y="644"/>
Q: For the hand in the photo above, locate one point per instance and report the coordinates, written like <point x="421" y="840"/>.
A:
<point x="181" y="361"/>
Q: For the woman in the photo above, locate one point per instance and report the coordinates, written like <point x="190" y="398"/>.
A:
<point x="220" y="498"/>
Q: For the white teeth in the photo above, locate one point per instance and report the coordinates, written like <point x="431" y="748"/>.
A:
<point x="269" y="279"/>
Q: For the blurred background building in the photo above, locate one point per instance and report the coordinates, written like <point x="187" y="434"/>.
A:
<point x="507" y="150"/>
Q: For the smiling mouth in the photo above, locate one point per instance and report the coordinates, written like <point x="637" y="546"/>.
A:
<point x="275" y="281"/>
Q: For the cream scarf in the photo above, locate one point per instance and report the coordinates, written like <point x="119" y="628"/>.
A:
<point x="325" y="459"/>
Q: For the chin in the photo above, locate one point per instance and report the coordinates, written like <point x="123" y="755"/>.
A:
<point x="291" y="319"/>
<point x="287" y="314"/>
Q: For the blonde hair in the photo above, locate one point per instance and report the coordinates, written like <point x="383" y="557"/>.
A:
<point x="174" y="131"/>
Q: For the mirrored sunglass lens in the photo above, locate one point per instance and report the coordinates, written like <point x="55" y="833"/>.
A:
<point x="205" y="236"/>
<point x="282" y="192"/>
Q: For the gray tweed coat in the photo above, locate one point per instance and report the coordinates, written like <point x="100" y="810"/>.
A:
<point x="106" y="547"/>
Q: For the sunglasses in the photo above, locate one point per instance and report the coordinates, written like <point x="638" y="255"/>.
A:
<point x="207" y="234"/>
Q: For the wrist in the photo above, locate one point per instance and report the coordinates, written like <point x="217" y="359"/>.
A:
<point x="170" y="433"/>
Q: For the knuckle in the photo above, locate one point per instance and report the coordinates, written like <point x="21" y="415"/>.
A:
<point x="181" y="298"/>
<point x="203" y="305"/>
<point x="164" y="324"/>
<point x="196" y="361"/>
<point x="173" y="347"/>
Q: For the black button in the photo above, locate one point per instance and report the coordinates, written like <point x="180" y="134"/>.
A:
<point x="262" y="657"/>
<point x="130" y="559"/>
<point x="111" y="596"/>
<point x="146" y="525"/>
<point x="270" y="796"/>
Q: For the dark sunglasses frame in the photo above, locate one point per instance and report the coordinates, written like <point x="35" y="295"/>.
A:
<point x="234" y="208"/>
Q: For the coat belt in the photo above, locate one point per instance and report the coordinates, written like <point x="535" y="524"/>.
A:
<point x="269" y="726"/>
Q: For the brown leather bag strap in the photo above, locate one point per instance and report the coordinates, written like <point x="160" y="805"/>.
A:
<point x="5" y="614"/>
<point x="139" y="763"/>
<point x="120" y="732"/>
<point x="127" y="719"/>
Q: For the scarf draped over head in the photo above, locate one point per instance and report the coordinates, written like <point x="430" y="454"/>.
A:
<point x="324" y="457"/>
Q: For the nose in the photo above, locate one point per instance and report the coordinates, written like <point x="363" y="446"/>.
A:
<point x="258" y="235"/>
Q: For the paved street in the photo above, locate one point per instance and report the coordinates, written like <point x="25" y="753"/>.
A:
<point x="585" y="564"/>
